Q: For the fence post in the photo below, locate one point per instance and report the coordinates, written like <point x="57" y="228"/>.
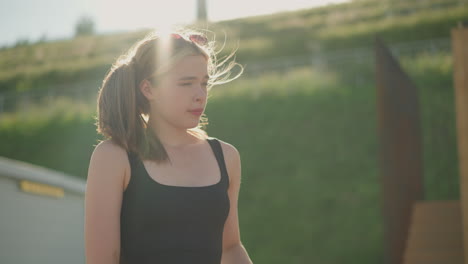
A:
<point x="460" y="71"/>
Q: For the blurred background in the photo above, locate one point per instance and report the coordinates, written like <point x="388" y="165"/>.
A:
<point x="303" y="115"/>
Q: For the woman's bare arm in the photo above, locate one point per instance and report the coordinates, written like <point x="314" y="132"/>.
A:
<point x="234" y="251"/>
<point x="103" y="198"/>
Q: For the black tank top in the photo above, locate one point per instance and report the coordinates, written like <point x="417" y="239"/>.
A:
<point x="166" y="224"/>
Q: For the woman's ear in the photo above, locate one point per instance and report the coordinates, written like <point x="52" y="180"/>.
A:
<point x="147" y="89"/>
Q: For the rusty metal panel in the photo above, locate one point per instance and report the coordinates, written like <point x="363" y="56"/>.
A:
<point x="400" y="149"/>
<point x="460" y="73"/>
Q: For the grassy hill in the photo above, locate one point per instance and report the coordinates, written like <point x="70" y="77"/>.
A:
<point x="307" y="137"/>
<point x="310" y="191"/>
<point x="62" y="63"/>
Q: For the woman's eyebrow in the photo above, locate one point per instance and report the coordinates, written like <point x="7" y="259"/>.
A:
<point x="187" y="78"/>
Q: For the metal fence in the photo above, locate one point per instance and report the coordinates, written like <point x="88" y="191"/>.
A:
<point x="339" y="60"/>
<point x="354" y="55"/>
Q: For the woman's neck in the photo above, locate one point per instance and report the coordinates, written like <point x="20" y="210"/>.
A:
<point x="172" y="137"/>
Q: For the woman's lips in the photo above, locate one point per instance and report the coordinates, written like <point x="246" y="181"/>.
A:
<point x="198" y="113"/>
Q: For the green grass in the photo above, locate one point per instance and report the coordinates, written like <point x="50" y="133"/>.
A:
<point x="347" y="25"/>
<point x="310" y="190"/>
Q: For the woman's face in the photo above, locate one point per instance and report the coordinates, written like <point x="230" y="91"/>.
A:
<point x="182" y="89"/>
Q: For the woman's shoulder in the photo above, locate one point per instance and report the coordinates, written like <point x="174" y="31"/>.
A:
<point x="110" y="148"/>
<point x="231" y="155"/>
<point x="228" y="148"/>
<point x="110" y="157"/>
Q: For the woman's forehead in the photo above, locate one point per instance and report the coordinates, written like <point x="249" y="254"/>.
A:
<point x="190" y="66"/>
<point x="190" y="62"/>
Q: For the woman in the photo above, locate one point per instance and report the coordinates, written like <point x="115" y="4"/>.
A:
<point x="159" y="189"/>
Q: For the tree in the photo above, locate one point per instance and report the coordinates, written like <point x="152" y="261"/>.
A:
<point x="84" y="26"/>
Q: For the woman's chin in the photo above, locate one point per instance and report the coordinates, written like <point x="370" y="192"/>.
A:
<point x="193" y="124"/>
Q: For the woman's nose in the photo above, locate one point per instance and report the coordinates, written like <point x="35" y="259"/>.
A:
<point x="201" y="90"/>
<point x="201" y="95"/>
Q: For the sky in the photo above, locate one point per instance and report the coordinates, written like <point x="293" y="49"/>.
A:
<point x="56" y="19"/>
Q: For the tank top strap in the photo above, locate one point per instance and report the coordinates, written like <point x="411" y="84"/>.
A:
<point x="136" y="164"/>
<point x="218" y="151"/>
<point x="133" y="159"/>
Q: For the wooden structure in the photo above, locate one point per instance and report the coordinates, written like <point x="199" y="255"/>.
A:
<point x="435" y="234"/>
<point x="460" y="54"/>
<point x="419" y="231"/>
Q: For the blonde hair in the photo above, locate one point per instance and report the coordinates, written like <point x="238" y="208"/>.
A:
<point x="122" y="110"/>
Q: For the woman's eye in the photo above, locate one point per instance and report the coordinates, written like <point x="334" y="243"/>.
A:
<point x="187" y="84"/>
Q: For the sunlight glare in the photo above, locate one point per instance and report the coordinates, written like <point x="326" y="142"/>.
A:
<point x="163" y="30"/>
